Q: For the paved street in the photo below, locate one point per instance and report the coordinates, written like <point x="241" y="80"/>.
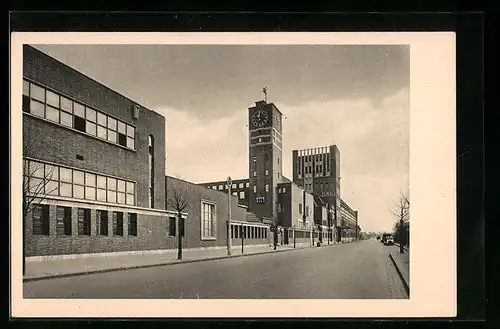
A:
<point x="353" y="271"/>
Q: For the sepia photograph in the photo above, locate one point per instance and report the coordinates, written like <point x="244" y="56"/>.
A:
<point x="216" y="171"/>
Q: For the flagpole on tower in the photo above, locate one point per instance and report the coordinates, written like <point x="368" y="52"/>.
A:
<point x="264" y="90"/>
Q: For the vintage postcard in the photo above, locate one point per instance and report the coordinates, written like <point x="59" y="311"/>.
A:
<point x="233" y="175"/>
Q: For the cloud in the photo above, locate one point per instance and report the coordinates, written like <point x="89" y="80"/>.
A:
<point x="373" y="143"/>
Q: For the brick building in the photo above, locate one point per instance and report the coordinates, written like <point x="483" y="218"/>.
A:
<point x="317" y="170"/>
<point x="94" y="164"/>
<point x="207" y="215"/>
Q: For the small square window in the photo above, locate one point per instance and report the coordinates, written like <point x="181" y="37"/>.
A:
<point x="101" y="182"/>
<point x="130" y="131"/>
<point x="66" y="104"/>
<point x="79" y="110"/>
<point x="65" y="175"/>
<point x="130" y="187"/>
<point x="91" y="114"/>
<point x="111" y="123"/>
<point x="111" y="136"/>
<point x="130" y="142"/>
<point x="52" y="187"/>
<point x="122" y="127"/>
<point x="121" y="185"/>
<point x="66" y="119"/>
<point x="111" y="196"/>
<point x="122" y="139"/>
<point x="52" y="114"/>
<point x="52" y="99"/>
<point x="101" y="119"/>
<point x="91" y="128"/>
<point x="37" y="93"/>
<point x="130" y="199"/>
<point x="101" y="194"/>
<point x="90" y="193"/>
<point x="78" y="192"/>
<point x="111" y="183"/>
<point x="121" y="198"/>
<point x="90" y="179"/>
<point x="65" y="189"/>
<point x="101" y="132"/>
<point x="51" y="172"/>
<point x="78" y="177"/>
<point x="37" y="108"/>
<point x="247" y="184"/>
<point x="79" y="123"/>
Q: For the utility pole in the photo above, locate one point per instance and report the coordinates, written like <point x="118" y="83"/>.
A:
<point x="229" y="237"/>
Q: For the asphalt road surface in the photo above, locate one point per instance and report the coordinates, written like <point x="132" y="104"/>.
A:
<point x="361" y="270"/>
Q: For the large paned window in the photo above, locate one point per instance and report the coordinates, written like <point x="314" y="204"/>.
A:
<point x="57" y="108"/>
<point x="102" y="222"/>
<point x="63" y="218"/>
<point x="117" y="223"/>
<point x="208" y="220"/>
<point x="56" y="180"/>
<point x="172" y="229"/>
<point x="40" y="219"/>
<point x="132" y="224"/>
<point x="83" y="221"/>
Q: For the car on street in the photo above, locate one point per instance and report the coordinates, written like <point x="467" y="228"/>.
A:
<point x="389" y="240"/>
<point x="384" y="237"/>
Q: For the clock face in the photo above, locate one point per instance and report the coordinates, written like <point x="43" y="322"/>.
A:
<point x="259" y="118"/>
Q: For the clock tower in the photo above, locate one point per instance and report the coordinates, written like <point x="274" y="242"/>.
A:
<point x="265" y="158"/>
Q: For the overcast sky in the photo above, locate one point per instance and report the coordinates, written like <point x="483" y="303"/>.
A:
<point x="354" y="96"/>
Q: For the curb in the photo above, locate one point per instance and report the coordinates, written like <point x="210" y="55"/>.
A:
<point x="66" y="275"/>
<point x="397" y="245"/>
<point x="405" y="284"/>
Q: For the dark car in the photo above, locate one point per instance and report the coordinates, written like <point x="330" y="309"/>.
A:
<point x="384" y="237"/>
<point x="389" y="240"/>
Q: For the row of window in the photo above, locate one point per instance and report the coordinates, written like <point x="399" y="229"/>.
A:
<point x="241" y="195"/>
<point x="47" y="179"/>
<point x="248" y="232"/>
<point x="41" y="221"/>
<point x="320" y="169"/>
<point x="49" y="105"/>
<point x="282" y="190"/>
<point x="221" y="187"/>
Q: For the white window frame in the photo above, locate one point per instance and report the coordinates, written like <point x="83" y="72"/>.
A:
<point x="213" y="236"/>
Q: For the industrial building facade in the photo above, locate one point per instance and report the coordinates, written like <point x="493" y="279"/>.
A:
<point x="94" y="164"/>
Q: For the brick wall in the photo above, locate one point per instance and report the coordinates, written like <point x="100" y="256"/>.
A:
<point x="151" y="235"/>
<point x="195" y="194"/>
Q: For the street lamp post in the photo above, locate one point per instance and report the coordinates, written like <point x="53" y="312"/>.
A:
<point x="229" y="237"/>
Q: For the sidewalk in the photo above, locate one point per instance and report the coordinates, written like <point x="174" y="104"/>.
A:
<point x="402" y="263"/>
<point x="45" y="269"/>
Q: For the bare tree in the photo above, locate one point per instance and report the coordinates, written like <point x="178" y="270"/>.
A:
<point x="36" y="187"/>
<point x="401" y="210"/>
<point x="36" y="178"/>
<point x="180" y="196"/>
